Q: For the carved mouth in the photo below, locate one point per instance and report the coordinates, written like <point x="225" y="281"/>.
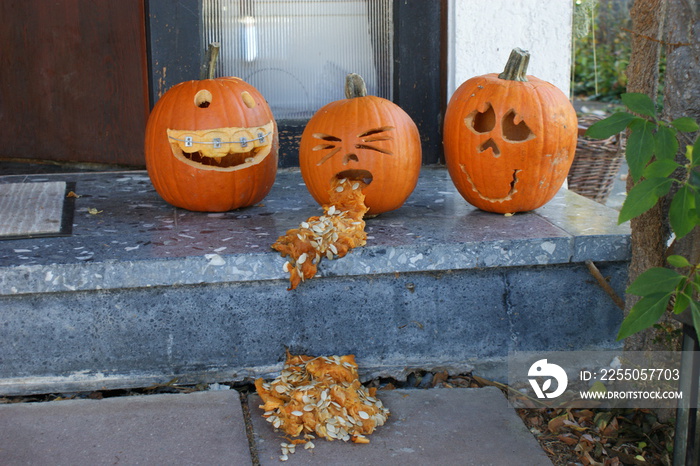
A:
<point x="507" y="197"/>
<point x="356" y="174"/>
<point x="222" y="149"/>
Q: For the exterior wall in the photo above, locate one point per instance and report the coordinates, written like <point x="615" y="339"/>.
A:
<point x="485" y="31"/>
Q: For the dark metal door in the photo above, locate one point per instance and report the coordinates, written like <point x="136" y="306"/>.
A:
<point x="74" y="82"/>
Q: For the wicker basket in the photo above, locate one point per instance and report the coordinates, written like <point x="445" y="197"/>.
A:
<point x="596" y="163"/>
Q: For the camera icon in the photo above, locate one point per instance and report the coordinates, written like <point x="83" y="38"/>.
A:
<point x="542" y="369"/>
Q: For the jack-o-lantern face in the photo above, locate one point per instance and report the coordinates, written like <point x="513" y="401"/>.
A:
<point x="211" y="145"/>
<point x="362" y="137"/>
<point x="370" y="143"/>
<point x="509" y="143"/>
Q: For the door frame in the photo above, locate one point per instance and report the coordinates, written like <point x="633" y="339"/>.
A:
<point x="175" y="49"/>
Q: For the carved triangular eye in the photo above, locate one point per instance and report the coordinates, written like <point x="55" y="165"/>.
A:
<point x="515" y="132"/>
<point x="481" y="121"/>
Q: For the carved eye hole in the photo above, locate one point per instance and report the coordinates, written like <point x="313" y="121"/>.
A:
<point x="515" y="132"/>
<point x="203" y="98"/>
<point x="481" y="122"/>
<point x="248" y="99"/>
<point x="330" y="143"/>
<point x="373" y="135"/>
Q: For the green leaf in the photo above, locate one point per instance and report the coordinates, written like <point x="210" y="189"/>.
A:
<point x="685" y="124"/>
<point x="694" y="184"/>
<point x="644" y="314"/>
<point x="695" y="312"/>
<point x="642" y="197"/>
<point x="655" y="280"/>
<point x="640" y="147"/>
<point x="639" y="103"/>
<point x="681" y="214"/>
<point x="678" y="261"/>
<point x="665" y="143"/>
<point x="682" y="301"/>
<point x="695" y="154"/>
<point x="660" y="169"/>
<point x="610" y="126"/>
<point x="694" y="179"/>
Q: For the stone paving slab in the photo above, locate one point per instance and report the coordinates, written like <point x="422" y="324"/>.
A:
<point x="197" y="428"/>
<point x="438" y="426"/>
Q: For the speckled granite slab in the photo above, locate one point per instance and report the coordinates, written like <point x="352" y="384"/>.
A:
<point x="126" y="236"/>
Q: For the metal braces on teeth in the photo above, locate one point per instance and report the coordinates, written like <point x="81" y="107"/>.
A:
<point x="217" y="142"/>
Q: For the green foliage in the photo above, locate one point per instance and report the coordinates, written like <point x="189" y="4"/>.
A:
<point x="651" y="152"/>
<point x="602" y="49"/>
<point x="606" y="68"/>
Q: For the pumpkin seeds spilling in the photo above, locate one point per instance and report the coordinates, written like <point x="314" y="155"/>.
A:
<point x="320" y="397"/>
<point x="331" y="235"/>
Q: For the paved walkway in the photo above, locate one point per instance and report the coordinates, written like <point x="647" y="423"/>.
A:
<point x="438" y="426"/>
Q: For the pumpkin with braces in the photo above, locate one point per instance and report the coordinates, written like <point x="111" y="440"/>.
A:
<point x="211" y="145"/>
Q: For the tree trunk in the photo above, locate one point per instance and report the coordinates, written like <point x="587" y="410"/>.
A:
<point x="650" y="230"/>
<point x="682" y="89"/>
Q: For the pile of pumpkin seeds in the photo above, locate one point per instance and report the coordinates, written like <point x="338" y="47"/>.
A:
<point x="320" y="397"/>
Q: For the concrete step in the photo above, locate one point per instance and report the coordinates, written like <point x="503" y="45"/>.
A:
<point x="436" y="426"/>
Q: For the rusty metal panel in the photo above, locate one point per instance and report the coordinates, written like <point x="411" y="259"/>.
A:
<point x="74" y="85"/>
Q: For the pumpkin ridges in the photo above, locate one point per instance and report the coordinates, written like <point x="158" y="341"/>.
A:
<point x="184" y="172"/>
<point x="157" y="115"/>
<point x="551" y="93"/>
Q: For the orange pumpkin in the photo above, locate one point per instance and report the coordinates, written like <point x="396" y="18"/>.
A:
<point x="362" y="137"/>
<point x="211" y="145"/>
<point x="509" y="139"/>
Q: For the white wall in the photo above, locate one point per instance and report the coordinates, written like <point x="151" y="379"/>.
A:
<point x="485" y="31"/>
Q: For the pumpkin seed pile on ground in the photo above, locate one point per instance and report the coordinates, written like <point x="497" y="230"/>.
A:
<point x="330" y="235"/>
<point x="320" y="396"/>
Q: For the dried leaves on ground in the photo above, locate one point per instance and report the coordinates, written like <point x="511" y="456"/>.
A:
<point x="588" y="437"/>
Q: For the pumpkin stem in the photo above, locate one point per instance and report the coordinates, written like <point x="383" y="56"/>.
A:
<point x="355" y="86"/>
<point x="211" y="58"/>
<point x="516" y="68"/>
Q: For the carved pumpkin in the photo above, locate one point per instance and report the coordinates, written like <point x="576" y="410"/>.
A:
<point x="211" y="145"/>
<point x="364" y="138"/>
<point x="509" y="139"/>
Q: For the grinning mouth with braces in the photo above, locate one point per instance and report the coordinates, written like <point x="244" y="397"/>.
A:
<point x="224" y="149"/>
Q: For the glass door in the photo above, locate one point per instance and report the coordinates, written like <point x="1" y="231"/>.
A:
<point x="297" y="53"/>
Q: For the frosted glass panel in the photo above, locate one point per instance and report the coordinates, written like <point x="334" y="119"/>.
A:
<point x="298" y="52"/>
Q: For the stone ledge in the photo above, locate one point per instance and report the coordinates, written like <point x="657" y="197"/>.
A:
<point x="143" y="292"/>
<point x="137" y="240"/>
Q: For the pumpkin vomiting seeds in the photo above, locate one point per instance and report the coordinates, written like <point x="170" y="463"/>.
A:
<point x="320" y="397"/>
<point x="331" y="235"/>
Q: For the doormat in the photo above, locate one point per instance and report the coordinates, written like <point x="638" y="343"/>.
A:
<point x="32" y="210"/>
